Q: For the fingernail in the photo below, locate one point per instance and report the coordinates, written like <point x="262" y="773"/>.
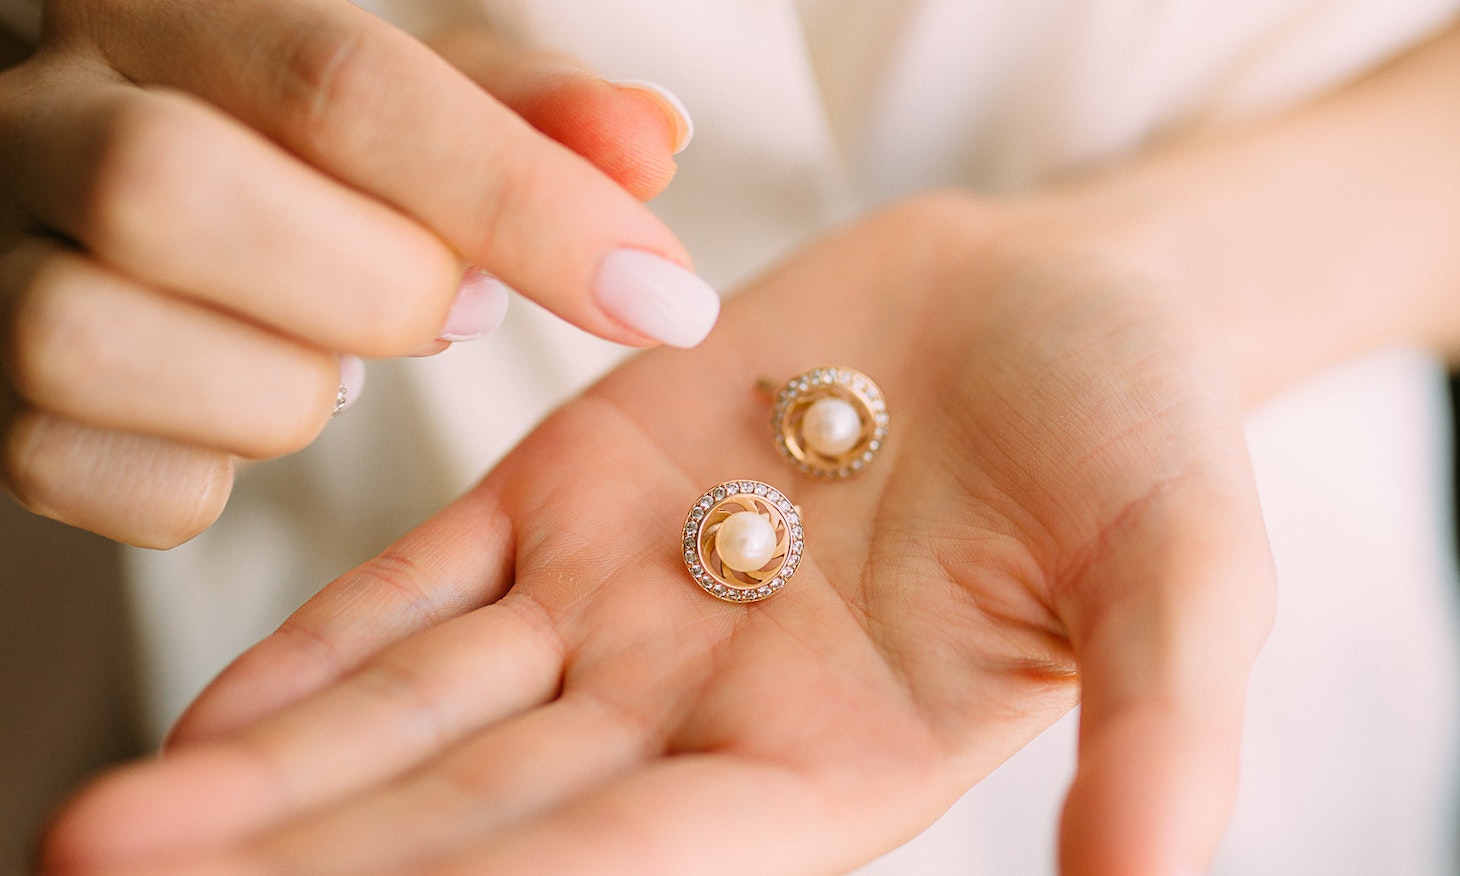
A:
<point x="352" y="382"/>
<point x="479" y="308"/>
<point x="656" y="297"/>
<point x="684" y="126"/>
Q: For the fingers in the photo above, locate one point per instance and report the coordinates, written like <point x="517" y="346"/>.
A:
<point x="528" y="764"/>
<point x="399" y="708"/>
<point x="630" y="130"/>
<point x="459" y="560"/>
<point x="130" y="404"/>
<point x="137" y="489"/>
<point x="379" y="111"/>
<point x="703" y="814"/>
<point x="168" y="190"/>
<point x="94" y="347"/>
<point x="1165" y="669"/>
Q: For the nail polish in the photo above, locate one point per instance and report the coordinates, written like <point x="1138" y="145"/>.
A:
<point x="684" y="128"/>
<point x="478" y="309"/>
<point x="656" y="297"/>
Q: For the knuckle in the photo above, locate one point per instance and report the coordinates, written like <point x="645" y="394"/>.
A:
<point x="408" y="693"/>
<point x="406" y="310"/>
<point x="141" y="191"/>
<point x="56" y="345"/>
<point x="330" y="73"/>
<point x="300" y="417"/>
<point x="402" y="582"/>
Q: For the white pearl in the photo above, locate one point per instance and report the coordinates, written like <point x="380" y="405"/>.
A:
<point x="831" y="426"/>
<point x="746" y="541"/>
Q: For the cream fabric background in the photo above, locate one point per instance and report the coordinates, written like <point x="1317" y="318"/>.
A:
<point x="809" y="111"/>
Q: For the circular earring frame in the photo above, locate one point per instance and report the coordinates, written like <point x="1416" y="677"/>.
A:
<point x="797" y="396"/>
<point x="702" y="525"/>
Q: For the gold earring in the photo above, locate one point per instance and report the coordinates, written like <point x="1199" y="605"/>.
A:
<point x="743" y="541"/>
<point x="830" y="422"/>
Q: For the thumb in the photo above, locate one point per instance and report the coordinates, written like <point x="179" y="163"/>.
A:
<point x="1167" y="623"/>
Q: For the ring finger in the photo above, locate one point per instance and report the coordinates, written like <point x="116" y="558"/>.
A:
<point x="101" y="349"/>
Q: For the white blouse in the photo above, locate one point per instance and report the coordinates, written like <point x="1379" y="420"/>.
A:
<point x="807" y="112"/>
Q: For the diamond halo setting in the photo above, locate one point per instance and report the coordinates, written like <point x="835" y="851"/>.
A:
<point x="771" y="513"/>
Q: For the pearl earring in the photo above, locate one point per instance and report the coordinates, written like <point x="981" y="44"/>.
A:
<point x="743" y="541"/>
<point x="830" y="422"/>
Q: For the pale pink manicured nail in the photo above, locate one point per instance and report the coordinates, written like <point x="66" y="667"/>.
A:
<point x="656" y="297"/>
<point x="352" y="382"/>
<point x="684" y="130"/>
<point x="480" y="306"/>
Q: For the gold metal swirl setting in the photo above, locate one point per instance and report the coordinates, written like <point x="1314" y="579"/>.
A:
<point x="702" y="526"/>
<point x="796" y="399"/>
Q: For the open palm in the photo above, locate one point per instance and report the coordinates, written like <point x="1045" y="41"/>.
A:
<point x="531" y="683"/>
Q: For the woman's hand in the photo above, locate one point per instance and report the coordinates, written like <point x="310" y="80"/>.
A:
<point x="203" y="206"/>
<point x="530" y="683"/>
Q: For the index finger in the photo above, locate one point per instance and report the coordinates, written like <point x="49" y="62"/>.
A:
<point x="373" y="107"/>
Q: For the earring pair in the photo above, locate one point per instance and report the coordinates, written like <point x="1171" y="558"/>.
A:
<point x="743" y="540"/>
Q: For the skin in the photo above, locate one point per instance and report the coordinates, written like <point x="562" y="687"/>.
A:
<point x="167" y="305"/>
<point x="529" y="682"/>
<point x="572" y="681"/>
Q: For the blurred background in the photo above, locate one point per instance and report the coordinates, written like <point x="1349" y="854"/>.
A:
<point x="66" y="676"/>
